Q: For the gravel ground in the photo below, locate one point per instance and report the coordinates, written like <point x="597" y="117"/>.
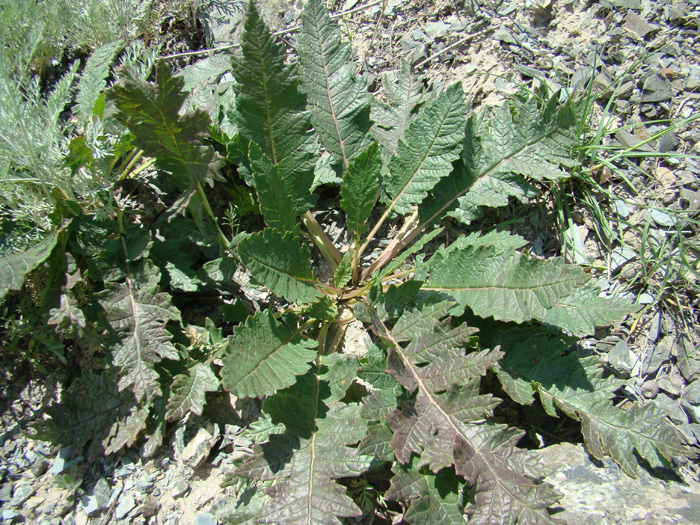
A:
<point x="493" y="49"/>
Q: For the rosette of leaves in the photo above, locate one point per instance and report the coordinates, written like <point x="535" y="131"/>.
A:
<point x="415" y="404"/>
<point x="421" y="403"/>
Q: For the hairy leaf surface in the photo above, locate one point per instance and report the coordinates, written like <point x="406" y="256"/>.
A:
<point x="94" y="78"/>
<point x="359" y="190"/>
<point x="95" y="412"/>
<point x="537" y="362"/>
<point x="264" y="356"/>
<point x="151" y="112"/>
<point x="281" y="263"/>
<point x="502" y="284"/>
<point x="425" y="154"/>
<point x="270" y="109"/>
<point x="138" y="316"/>
<point x="433" y="499"/>
<point x="275" y="195"/>
<point x="15" y="266"/>
<point x="338" y="100"/>
<point x="392" y="119"/>
<point x="314" y="450"/>
<point x="502" y="147"/>
<point x="188" y="391"/>
<point x="443" y="426"/>
<point x="582" y="311"/>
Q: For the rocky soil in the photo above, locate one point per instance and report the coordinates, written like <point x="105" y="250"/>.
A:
<point x="494" y="48"/>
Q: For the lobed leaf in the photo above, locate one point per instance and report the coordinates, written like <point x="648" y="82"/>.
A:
<point x="93" y="411"/>
<point x="188" y="391"/>
<point x="281" y="263"/>
<point x="15" y="266"/>
<point x="275" y="195"/>
<point x="502" y="146"/>
<point x="314" y="451"/>
<point x="94" y="78"/>
<point x="339" y="101"/>
<point x="426" y="152"/>
<point x="264" y="356"/>
<point x="359" y="190"/>
<point x="503" y="284"/>
<point x="270" y="110"/>
<point x="538" y="362"/>
<point x="392" y="119"/>
<point x="444" y="427"/>
<point x="583" y="310"/>
<point x="138" y="317"/>
<point x="151" y="112"/>
<point x="432" y="498"/>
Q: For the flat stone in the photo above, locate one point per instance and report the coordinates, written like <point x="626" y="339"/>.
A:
<point x="61" y="463"/>
<point x="668" y="142"/>
<point x="673" y="407"/>
<point x="622" y="359"/>
<point x="125" y="505"/>
<point x="180" y="488"/>
<point x="656" y="89"/>
<point x="205" y="518"/>
<point x="197" y="450"/>
<point x="627" y="4"/>
<point x="39" y="467"/>
<point x="6" y="491"/>
<point x="436" y="29"/>
<point x="692" y="393"/>
<point x="638" y="25"/>
<point x="688" y="360"/>
<point x="658" y="355"/>
<point x="505" y="36"/>
<point x="602" y="493"/>
<point x="628" y="140"/>
<point x="8" y="515"/>
<point x="692" y="82"/>
<point x="103" y="493"/>
<point x="89" y="505"/>
<point x="22" y="493"/>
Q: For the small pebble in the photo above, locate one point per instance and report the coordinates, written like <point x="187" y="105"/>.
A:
<point x="650" y="389"/>
<point x="180" y="488"/>
<point x="22" y="494"/>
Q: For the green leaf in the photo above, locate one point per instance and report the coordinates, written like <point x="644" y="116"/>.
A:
<point x="441" y="425"/>
<point x="434" y="498"/>
<point x="537" y="361"/>
<point x="281" y="263"/>
<point x="505" y="285"/>
<point x="270" y="110"/>
<point x="344" y="272"/>
<point x="264" y="356"/>
<point x="314" y="451"/>
<point x="425" y="154"/>
<point x="339" y="101"/>
<point x="95" y="412"/>
<point x="359" y="190"/>
<point x="274" y="193"/>
<point x="392" y="119"/>
<point x="583" y="310"/>
<point x="138" y="316"/>
<point x="15" y="266"/>
<point x="502" y="146"/>
<point x="187" y="393"/>
<point x="151" y="112"/>
<point x="94" y="78"/>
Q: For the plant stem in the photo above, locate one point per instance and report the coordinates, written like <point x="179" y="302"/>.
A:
<point x="321" y="240"/>
<point x="223" y="241"/>
<point x="395" y="246"/>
